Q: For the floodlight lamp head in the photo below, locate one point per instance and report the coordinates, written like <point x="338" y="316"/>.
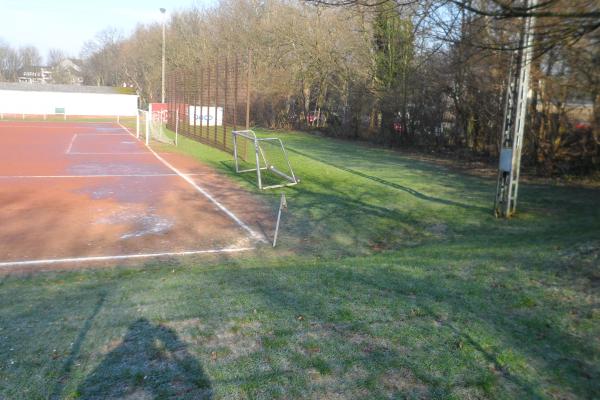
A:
<point x="163" y="10"/>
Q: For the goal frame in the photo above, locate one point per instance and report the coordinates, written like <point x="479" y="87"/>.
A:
<point x="147" y="125"/>
<point x="143" y="126"/>
<point x="259" y="155"/>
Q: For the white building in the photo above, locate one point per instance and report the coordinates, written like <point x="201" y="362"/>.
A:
<point x="48" y="99"/>
<point x="36" y="74"/>
<point x="65" y="72"/>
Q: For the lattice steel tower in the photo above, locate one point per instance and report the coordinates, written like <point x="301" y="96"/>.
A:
<point x="515" y="112"/>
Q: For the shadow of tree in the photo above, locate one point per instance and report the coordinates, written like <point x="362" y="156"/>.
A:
<point x="150" y="363"/>
<point x="398" y="298"/>
<point x="393" y="185"/>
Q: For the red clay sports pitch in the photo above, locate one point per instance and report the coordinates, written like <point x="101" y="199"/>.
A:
<point x="82" y="192"/>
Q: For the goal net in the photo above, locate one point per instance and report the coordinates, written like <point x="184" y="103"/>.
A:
<point x="264" y="156"/>
<point x="142" y="125"/>
<point x="151" y="126"/>
<point x="157" y="128"/>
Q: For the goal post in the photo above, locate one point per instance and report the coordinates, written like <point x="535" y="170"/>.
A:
<point x="142" y="125"/>
<point x="265" y="156"/>
<point x="157" y="128"/>
<point x="151" y="125"/>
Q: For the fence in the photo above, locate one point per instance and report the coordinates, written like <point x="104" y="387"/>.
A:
<point x="211" y="101"/>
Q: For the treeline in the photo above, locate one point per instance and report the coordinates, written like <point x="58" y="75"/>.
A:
<point x="429" y="73"/>
<point x="13" y="61"/>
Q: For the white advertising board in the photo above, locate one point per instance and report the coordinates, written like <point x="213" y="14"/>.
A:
<point x="206" y="116"/>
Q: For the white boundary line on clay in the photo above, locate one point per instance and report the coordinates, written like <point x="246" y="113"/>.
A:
<point x="14" y="264"/>
<point x="77" y="135"/>
<point x="118" y="153"/>
<point x="42" y="126"/>
<point x="71" y="143"/>
<point x="91" y="176"/>
<point x="103" y="134"/>
<point x="46" y="124"/>
<point x="185" y="177"/>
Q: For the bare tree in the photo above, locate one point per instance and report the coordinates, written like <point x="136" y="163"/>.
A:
<point x="55" y="57"/>
<point x="7" y="70"/>
<point x="29" y="56"/>
<point x="560" y="22"/>
<point x="102" y="58"/>
<point x="420" y="73"/>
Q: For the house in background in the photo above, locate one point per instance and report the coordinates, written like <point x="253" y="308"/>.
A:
<point x="35" y="74"/>
<point x="67" y="72"/>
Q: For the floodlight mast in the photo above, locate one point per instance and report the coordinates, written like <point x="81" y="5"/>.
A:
<point x="162" y="92"/>
<point x="515" y="113"/>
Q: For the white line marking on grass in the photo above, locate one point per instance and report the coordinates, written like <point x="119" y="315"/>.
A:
<point x="13" y="264"/>
<point x="90" y="176"/>
<point x="71" y="144"/>
<point x="185" y="177"/>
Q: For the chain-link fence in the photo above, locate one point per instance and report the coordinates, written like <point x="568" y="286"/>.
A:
<point x="211" y="101"/>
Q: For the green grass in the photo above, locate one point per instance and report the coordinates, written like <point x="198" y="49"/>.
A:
<point x="392" y="280"/>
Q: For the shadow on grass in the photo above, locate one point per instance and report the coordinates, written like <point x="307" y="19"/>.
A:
<point x="249" y="177"/>
<point x="393" y="185"/>
<point x="76" y="348"/>
<point x="267" y="178"/>
<point x="450" y="311"/>
<point x="150" y="363"/>
<point x="523" y="326"/>
<point x="349" y="221"/>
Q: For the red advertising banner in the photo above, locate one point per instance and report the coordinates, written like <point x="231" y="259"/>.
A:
<point x="159" y="112"/>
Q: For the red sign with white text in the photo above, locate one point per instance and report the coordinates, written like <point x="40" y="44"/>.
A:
<point x="159" y="112"/>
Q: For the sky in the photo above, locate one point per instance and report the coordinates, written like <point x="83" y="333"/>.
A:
<point x="67" y="24"/>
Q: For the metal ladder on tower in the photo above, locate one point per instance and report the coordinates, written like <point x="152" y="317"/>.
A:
<point x="513" y="127"/>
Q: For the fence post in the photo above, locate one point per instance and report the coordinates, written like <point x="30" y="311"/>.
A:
<point x="216" y="99"/>
<point x="248" y="90"/>
<point x="208" y="85"/>
<point x="235" y="91"/>
<point x="176" y="126"/>
<point x="199" y="90"/>
<point x="225" y="109"/>
<point x="148" y="116"/>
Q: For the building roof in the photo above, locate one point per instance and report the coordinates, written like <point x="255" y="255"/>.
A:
<point x="68" y="63"/>
<point x="47" y="87"/>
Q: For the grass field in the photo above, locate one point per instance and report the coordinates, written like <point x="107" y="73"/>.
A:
<point x="392" y="280"/>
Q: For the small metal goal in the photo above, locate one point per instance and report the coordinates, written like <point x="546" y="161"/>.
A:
<point x="266" y="156"/>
